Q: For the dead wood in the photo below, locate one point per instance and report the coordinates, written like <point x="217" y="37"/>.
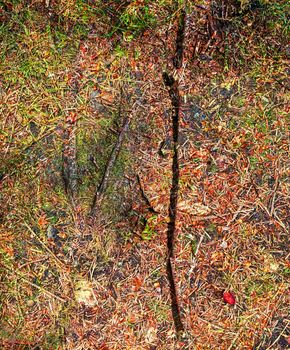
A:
<point x="175" y="98"/>
<point x="101" y="188"/>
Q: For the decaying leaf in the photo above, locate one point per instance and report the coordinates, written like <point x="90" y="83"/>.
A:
<point x="84" y="292"/>
<point x="151" y="335"/>
<point x="194" y="209"/>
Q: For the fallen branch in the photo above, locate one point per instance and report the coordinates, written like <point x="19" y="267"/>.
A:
<point x="69" y="163"/>
<point x="101" y="188"/>
<point x="174" y="94"/>
<point x="172" y="212"/>
<point x="69" y="147"/>
<point x="178" y="58"/>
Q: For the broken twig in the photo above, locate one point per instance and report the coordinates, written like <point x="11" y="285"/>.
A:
<point x="144" y="196"/>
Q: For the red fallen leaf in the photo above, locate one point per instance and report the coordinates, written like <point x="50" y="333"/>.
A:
<point x="83" y="48"/>
<point x="9" y="6"/>
<point x="229" y="298"/>
<point x="42" y="221"/>
<point x="71" y="118"/>
<point x="137" y="283"/>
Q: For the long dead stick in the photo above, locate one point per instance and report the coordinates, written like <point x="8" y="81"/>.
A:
<point x="174" y="94"/>
<point x="172" y="212"/>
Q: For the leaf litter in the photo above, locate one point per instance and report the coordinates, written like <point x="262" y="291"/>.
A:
<point x="103" y="284"/>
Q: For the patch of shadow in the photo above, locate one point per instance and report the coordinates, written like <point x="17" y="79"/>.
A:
<point x="118" y="276"/>
<point x="205" y="58"/>
<point x="192" y="114"/>
<point x="20" y="252"/>
<point x="281" y="248"/>
<point x="167" y="144"/>
<point x="277" y="340"/>
<point x="103" y="269"/>
<point x="95" y="104"/>
<point x="118" y="195"/>
<point x="39" y="150"/>
<point x="133" y="261"/>
<point x="224" y="93"/>
<point x="34" y="128"/>
<point x="52" y="234"/>
<point x="258" y="216"/>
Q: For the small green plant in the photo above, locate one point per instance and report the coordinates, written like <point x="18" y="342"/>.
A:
<point x="121" y="52"/>
<point x="133" y="21"/>
<point x="148" y="233"/>
<point x="160" y="309"/>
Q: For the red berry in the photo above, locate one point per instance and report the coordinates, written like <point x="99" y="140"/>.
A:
<point x="229" y="298"/>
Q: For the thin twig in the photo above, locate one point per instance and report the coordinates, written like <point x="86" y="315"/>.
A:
<point x="273" y="199"/>
<point x="59" y="262"/>
<point x="277" y="339"/>
<point x="101" y="188"/>
<point x="144" y="197"/>
<point x="33" y="284"/>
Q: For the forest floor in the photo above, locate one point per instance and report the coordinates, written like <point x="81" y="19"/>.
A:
<point x="71" y="76"/>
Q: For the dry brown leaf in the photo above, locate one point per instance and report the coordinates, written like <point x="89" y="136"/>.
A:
<point x="189" y="207"/>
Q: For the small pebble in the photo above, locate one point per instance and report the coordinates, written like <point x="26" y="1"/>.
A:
<point x="51" y="232"/>
<point x="224" y="244"/>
